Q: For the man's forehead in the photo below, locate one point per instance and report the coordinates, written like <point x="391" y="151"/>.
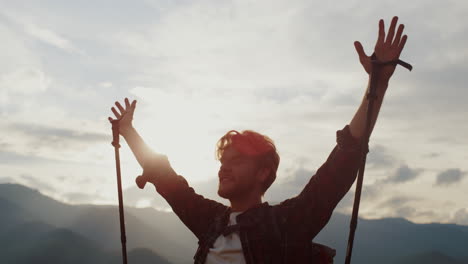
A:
<point x="230" y="153"/>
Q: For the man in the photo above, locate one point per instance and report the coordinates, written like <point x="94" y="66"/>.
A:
<point x="249" y="230"/>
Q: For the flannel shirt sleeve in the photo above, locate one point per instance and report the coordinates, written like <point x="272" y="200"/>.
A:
<point x="310" y="211"/>
<point x="194" y="210"/>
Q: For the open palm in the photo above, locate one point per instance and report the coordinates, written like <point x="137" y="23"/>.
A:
<point x="125" y="115"/>
<point x="386" y="49"/>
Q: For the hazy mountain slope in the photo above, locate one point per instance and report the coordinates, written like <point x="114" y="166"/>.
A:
<point x="433" y="257"/>
<point x="11" y="214"/>
<point x="38" y="205"/>
<point x="139" y="256"/>
<point x="385" y="240"/>
<point x="39" y="243"/>
<point x="169" y="224"/>
<point x="100" y="224"/>
<point x="94" y="230"/>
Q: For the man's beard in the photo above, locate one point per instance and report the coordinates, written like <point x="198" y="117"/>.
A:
<point x="233" y="191"/>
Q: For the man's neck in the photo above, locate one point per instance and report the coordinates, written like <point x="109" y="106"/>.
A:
<point x="241" y="205"/>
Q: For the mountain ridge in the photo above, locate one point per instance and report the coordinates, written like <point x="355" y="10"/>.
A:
<point x="153" y="233"/>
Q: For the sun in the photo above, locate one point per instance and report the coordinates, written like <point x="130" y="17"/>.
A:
<point x="184" y="131"/>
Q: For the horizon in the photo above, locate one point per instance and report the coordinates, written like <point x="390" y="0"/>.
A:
<point x="169" y="211"/>
<point x="191" y="64"/>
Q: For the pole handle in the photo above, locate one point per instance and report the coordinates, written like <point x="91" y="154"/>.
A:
<point x="115" y="133"/>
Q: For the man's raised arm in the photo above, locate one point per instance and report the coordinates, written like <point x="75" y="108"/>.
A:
<point x="386" y="49"/>
<point x="193" y="209"/>
<point x="309" y="212"/>
<point x="139" y="148"/>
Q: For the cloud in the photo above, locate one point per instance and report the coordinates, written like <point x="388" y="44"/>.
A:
<point x="449" y="177"/>
<point x="134" y="197"/>
<point x="461" y="216"/>
<point x="10" y="157"/>
<point x="81" y="198"/>
<point x="5" y="145"/>
<point x="397" y="201"/>
<point x="25" y="81"/>
<point x="405" y="211"/>
<point x="6" y="180"/>
<point x="46" y="35"/>
<point x="407" y="207"/>
<point x="403" y="174"/>
<point x="299" y="178"/>
<point x="379" y="156"/>
<point x="47" y="145"/>
<point x="290" y="186"/>
<point x="54" y="137"/>
<point x="432" y="155"/>
<point x="34" y="182"/>
<point x="50" y="37"/>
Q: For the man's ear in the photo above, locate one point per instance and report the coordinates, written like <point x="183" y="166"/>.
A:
<point x="263" y="174"/>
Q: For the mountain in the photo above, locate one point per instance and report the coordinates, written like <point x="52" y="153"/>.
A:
<point x="42" y="244"/>
<point x="432" y="257"/>
<point x="99" y="224"/>
<point x="37" y="229"/>
<point x="140" y="256"/>
<point x="388" y="240"/>
<point x="11" y="215"/>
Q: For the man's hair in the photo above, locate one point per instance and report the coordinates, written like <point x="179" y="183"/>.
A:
<point x="255" y="145"/>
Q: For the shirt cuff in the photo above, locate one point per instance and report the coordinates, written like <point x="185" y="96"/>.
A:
<point x="347" y="142"/>
<point x="158" y="168"/>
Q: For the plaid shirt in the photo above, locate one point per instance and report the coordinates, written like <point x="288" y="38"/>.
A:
<point x="280" y="233"/>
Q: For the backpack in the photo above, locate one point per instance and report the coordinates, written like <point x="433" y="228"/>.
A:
<point x="323" y="254"/>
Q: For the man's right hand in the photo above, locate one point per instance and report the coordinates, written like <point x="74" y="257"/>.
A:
<point x="139" y="148"/>
<point x="125" y="116"/>
<point x="157" y="166"/>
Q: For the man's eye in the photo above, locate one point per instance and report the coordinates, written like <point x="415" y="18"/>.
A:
<point x="232" y="161"/>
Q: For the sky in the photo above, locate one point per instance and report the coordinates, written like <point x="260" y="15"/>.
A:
<point x="287" y="69"/>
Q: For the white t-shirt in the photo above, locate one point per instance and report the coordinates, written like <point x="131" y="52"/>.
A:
<point x="227" y="249"/>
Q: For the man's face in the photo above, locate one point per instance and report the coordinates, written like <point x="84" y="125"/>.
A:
<point x="237" y="174"/>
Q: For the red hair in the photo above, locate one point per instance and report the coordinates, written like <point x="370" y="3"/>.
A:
<point x="255" y="145"/>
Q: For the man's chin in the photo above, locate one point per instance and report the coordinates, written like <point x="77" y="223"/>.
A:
<point x="226" y="193"/>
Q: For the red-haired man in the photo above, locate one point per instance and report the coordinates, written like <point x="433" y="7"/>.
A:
<point x="249" y="230"/>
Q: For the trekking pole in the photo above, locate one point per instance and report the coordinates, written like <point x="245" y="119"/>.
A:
<point x="115" y="143"/>
<point x="371" y="95"/>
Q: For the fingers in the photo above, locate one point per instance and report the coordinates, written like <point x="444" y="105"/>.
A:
<point x="127" y="103"/>
<point x="115" y="113"/>
<point x="402" y="44"/>
<point x="396" y="42"/>
<point x="391" y="31"/>
<point x="128" y="108"/>
<point x="122" y="110"/>
<point x="132" y="107"/>
<point x="359" y="49"/>
<point x="381" y="37"/>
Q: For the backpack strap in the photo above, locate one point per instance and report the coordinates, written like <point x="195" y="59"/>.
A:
<point x="323" y="254"/>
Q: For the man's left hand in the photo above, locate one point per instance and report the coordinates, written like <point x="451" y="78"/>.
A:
<point x="386" y="49"/>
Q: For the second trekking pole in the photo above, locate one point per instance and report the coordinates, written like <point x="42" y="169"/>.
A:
<point x="371" y="95"/>
<point x="115" y="143"/>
